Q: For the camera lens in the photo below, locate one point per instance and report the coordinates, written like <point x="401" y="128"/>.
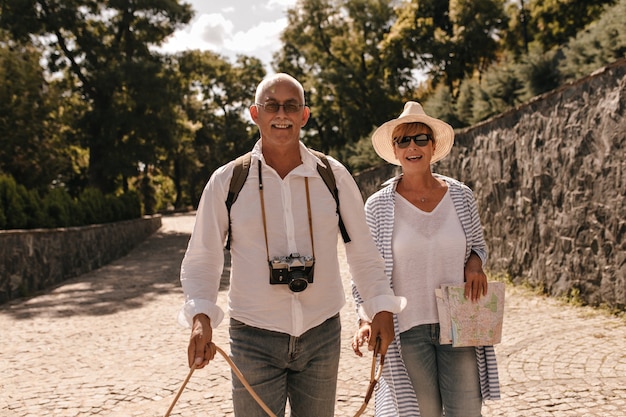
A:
<point x="297" y="281"/>
<point x="298" y="285"/>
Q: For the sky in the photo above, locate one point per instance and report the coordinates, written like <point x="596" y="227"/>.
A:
<point x="233" y="27"/>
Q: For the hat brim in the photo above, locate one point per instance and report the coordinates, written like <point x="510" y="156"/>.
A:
<point x="443" y="135"/>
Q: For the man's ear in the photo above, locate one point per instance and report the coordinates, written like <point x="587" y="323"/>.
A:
<point x="254" y="112"/>
<point x="305" y="115"/>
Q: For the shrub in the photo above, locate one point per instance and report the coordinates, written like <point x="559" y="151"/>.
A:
<point x="33" y="207"/>
<point x="12" y="203"/>
<point x="25" y="209"/>
<point x="3" y="218"/>
<point x="60" y="210"/>
<point x="92" y="204"/>
<point x="131" y="205"/>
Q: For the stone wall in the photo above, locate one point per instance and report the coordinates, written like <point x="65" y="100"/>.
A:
<point x="371" y="180"/>
<point x="32" y="260"/>
<point x="550" y="180"/>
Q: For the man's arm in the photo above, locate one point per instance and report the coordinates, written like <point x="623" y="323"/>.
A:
<point x="367" y="266"/>
<point x="201" y="271"/>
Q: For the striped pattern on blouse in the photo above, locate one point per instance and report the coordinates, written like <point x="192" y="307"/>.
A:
<point x="395" y="395"/>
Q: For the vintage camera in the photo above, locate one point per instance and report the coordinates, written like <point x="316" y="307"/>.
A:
<point x="293" y="270"/>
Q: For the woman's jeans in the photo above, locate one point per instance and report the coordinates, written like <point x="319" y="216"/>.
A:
<point x="444" y="377"/>
<point x="280" y="367"/>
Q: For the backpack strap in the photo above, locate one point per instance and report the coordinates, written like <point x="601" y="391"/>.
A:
<point x="240" y="173"/>
<point x="327" y="175"/>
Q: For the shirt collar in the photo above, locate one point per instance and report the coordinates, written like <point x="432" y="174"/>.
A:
<point x="309" y="160"/>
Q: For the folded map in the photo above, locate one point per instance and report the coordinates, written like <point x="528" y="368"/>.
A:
<point x="467" y="323"/>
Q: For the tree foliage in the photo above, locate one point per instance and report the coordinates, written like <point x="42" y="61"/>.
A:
<point x="449" y="39"/>
<point x="602" y="42"/>
<point x="554" y="22"/>
<point x="104" y="48"/>
<point x="524" y="71"/>
<point x="334" y="48"/>
<point x="219" y="94"/>
<point x="106" y="113"/>
<point x="31" y="118"/>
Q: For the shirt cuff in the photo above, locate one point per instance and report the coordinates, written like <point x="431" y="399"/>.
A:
<point x="390" y="303"/>
<point x="198" y="306"/>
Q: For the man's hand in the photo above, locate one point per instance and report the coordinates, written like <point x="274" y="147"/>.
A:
<point x="475" y="278"/>
<point x="381" y="327"/>
<point x="361" y="336"/>
<point x="201" y="348"/>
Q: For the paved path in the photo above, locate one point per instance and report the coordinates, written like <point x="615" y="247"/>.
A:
<point x="107" y="344"/>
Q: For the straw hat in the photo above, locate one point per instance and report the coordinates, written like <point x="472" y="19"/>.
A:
<point x="443" y="133"/>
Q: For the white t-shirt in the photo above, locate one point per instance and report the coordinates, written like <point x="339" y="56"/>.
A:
<point x="428" y="250"/>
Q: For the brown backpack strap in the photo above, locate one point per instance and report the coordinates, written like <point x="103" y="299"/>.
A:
<point x="240" y="173"/>
<point x="327" y="175"/>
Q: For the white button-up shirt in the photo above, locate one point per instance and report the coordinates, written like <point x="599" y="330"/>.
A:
<point x="251" y="298"/>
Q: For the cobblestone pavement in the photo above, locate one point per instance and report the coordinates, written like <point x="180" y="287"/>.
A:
<point x="107" y="344"/>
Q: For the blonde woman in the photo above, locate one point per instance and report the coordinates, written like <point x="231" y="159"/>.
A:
<point x="428" y="230"/>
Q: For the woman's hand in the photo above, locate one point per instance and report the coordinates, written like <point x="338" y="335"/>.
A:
<point x="361" y="337"/>
<point x="475" y="278"/>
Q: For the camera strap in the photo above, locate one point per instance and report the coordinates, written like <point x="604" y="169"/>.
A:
<point x="308" y="205"/>
<point x="240" y="173"/>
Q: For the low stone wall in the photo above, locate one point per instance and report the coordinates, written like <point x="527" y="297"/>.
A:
<point x="32" y="260"/>
<point x="550" y="181"/>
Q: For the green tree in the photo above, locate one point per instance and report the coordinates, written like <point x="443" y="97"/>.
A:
<point x="465" y="102"/>
<point x="441" y="105"/>
<point x="361" y="155"/>
<point x="477" y="28"/>
<point x="449" y="39"/>
<point x="539" y="72"/>
<point x="517" y="37"/>
<point x="104" y="47"/>
<point x="31" y="143"/>
<point x="601" y="43"/>
<point x="218" y="95"/>
<point x="335" y="49"/>
<point x="554" y="22"/>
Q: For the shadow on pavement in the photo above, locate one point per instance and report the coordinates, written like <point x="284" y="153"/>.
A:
<point x="150" y="270"/>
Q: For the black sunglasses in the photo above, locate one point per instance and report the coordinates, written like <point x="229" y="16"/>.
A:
<point x="274" y="107"/>
<point x="420" y="140"/>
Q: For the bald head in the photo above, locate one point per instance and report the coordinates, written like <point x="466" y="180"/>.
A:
<point x="266" y="86"/>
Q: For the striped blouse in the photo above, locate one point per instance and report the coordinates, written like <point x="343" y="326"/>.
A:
<point x="394" y="393"/>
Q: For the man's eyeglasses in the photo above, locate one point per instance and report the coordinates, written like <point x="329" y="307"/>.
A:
<point x="274" y="107"/>
<point x="420" y="140"/>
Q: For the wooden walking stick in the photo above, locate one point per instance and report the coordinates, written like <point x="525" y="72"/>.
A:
<point x="239" y="375"/>
<point x="375" y="375"/>
<point x="180" y="391"/>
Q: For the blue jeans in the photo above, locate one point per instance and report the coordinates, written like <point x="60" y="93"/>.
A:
<point x="444" y="377"/>
<point x="280" y="367"/>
